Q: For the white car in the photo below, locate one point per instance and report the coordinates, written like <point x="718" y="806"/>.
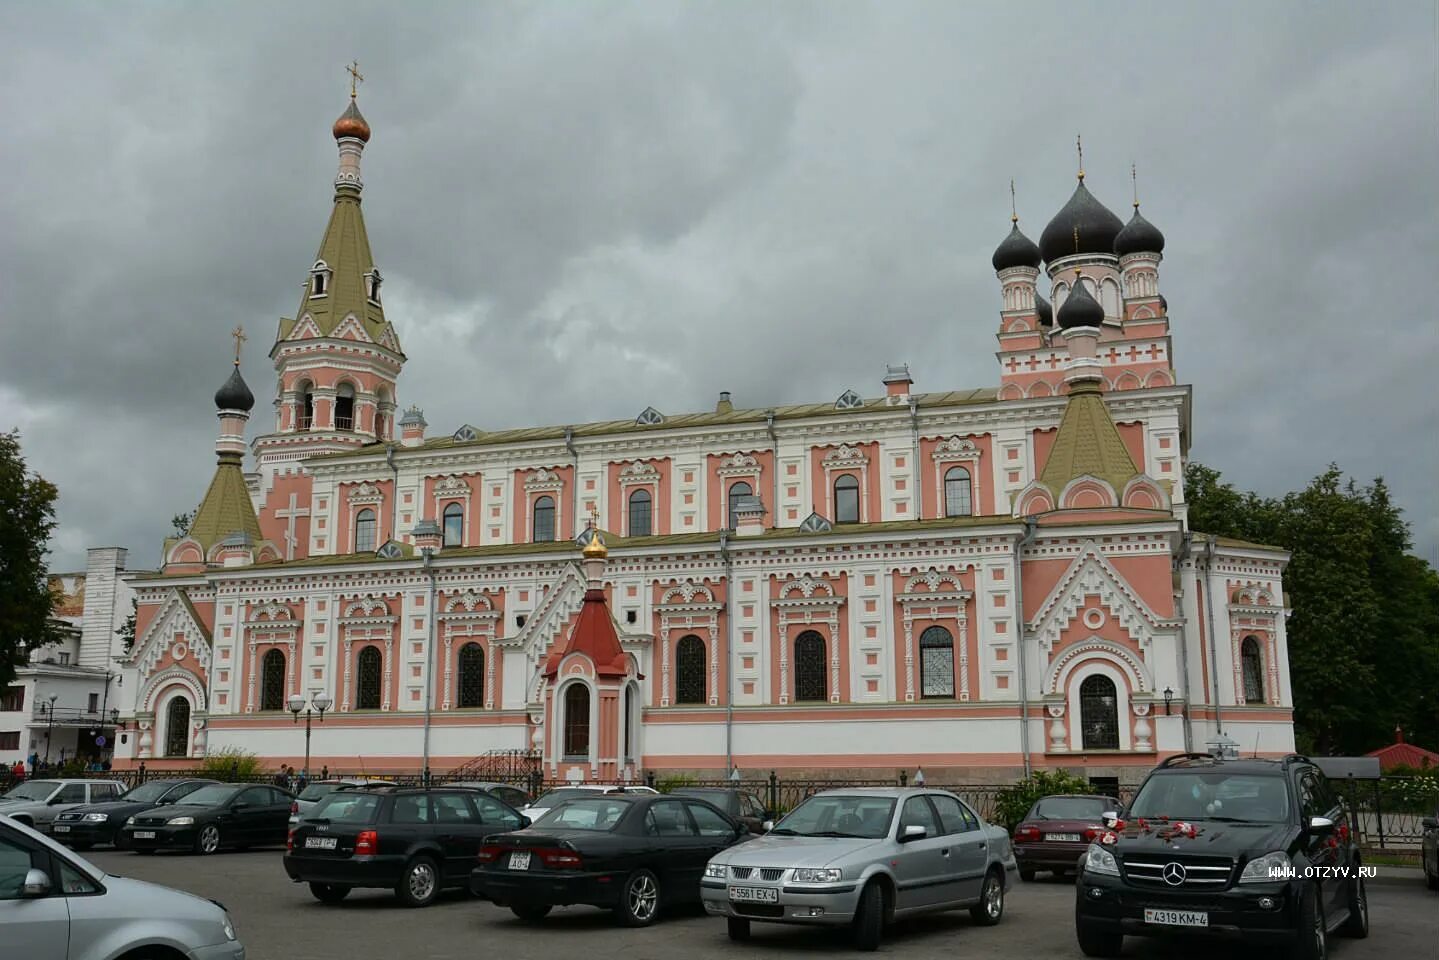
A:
<point x="544" y="804"/>
<point x="56" y="904"/>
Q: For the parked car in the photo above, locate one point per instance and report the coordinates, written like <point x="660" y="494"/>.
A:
<point x="741" y="805"/>
<point x="548" y="801"/>
<point x="864" y="858"/>
<point x="36" y="803"/>
<point x="1429" y="851"/>
<point x="504" y="792"/>
<point x="219" y="815"/>
<point x="84" y="826"/>
<point x="414" y="841"/>
<point x="631" y="852"/>
<point x="55" y="904"/>
<point x="1214" y="847"/>
<point x="319" y="790"/>
<point x="1057" y="830"/>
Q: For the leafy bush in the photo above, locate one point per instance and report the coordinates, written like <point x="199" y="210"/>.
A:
<point x="1012" y="803"/>
<point x="674" y="782"/>
<point x="231" y="762"/>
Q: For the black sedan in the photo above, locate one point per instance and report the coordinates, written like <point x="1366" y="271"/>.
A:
<point x="83" y="827"/>
<point x="741" y="805"/>
<point x="219" y="815"/>
<point x="627" y="852"/>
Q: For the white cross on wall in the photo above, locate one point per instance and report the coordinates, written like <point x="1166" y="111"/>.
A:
<point x="290" y="516"/>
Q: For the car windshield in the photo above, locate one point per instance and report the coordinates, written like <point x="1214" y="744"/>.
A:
<point x="149" y="792"/>
<point x="838" y="816"/>
<point x="347" y="806"/>
<point x="315" y="791"/>
<point x="211" y="796"/>
<point x="557" y="797"/>
<point x="33" y="790"/>
<point x="1238" y="798"/>
<point x="600" y="813"/>
<point x="1070" y="808"/>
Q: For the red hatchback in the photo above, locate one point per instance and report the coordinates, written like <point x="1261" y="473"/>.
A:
<point x="1057" y="830"/>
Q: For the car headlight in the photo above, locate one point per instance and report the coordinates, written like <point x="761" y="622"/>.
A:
<point x="228" y="927"/>
<point x="96" y="818"/>
<point x="181" y="821"/>
<point x="714" y="871"/>
<point x="817" y="874"/>
<point x="1099" y="860"/>
<point x="1266" y="869"/>
<point x="130" y="822"/>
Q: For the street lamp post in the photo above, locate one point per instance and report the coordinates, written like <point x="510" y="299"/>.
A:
<point x="319" y="703"/>
<point x="50" y="726"/>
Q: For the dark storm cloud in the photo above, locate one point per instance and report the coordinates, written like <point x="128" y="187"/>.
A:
<point x="681" y="198"/>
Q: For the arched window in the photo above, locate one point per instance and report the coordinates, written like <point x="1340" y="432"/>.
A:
<point x="367" y="682"/>
<point x="472" y="675"/>
<point x="272" y="681"/>
<point x="454" y="525"/>
<point x="1253" y="670"/>
<point x="177" y="728"/>
<point x="957" y="500"/>
<point x="737" y="490"/>
<point x="345" y="407"/>
<point x="307" y="405"/>
<point x="936" y="663"/>
<point x="544" y="520"/>
<point x="1099" y="713"/>
<point x="809" y="667"/>
<point x="690" y="670"/>
<point x="577" y="720"/>
<point x="846" y="499"/>
<point x="365" y="531"/>
<point x="640" y="514"/>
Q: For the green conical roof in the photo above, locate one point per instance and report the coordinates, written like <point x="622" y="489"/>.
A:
<point x="345" y="249"/>
<point x="1089" y="443"/>
<point x="227" y="508"/>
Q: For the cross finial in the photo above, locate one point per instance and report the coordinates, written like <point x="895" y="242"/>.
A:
<point x="355" y="76"/>
<point x="594" y="517"/>
<point x="1013" y="213"/>
<point x="1079" y="146"/>
<point x="239" y="334"/>
<point x="1076" y="238"/>
<point x="1134" y="179"/>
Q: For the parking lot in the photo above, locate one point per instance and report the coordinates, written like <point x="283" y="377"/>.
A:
<point x="278" y="920"/>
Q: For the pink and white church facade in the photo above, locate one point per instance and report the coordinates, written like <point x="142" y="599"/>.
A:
<point x="975" y="582"/>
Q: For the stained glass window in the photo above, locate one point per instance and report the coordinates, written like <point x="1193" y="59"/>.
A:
<point x="272" y="681"/>
<point x="809" y="667"/>
<point x="936" y="663"/>
<point x="365" y="531"/>
<point x="690" y="670"/>
<point x="640" y="513"/>
<point x="544" y="527"/>
<point x="367" y="685"/>
<point x="454" y="525"/>
<point x="577" y="720"/>
<point x="177" y="728"/>
<point x="1099" y="713"/>
<point x="472" y="675"/>
<point x="1253" y="671"/>
<point x="736" y="491"/>
<point x="957" y="500"/>
<point x="846" y="499"/>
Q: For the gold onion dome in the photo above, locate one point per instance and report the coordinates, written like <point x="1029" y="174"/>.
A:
<point x="352" y="124"/>
<point x="595" y="549"/>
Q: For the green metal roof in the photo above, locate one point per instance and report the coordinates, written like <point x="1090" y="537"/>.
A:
<point x="227" y="507"/>
<point x="1088" y="443"/>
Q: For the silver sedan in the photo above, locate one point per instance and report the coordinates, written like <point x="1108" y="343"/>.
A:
<point x="864" y="858"/>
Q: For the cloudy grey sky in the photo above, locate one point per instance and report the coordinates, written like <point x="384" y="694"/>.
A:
<point x="769" y="198"/>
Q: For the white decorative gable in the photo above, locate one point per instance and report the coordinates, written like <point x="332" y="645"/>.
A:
<point x="1091" y="574"/>
<point x="176" y="619"/>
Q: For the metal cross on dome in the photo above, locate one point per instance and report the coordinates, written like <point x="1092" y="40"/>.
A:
<point x="355" y="76"/>
<point x="239" y="334"/>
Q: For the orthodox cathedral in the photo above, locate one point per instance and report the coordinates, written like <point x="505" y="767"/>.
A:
<point x="975" y="582"/>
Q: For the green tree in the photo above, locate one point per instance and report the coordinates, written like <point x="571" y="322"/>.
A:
<point x="126" y="630"/>
<point x="1012" y="803"/>
<point x="181" y="523"/>
<point x="27" y="518"/>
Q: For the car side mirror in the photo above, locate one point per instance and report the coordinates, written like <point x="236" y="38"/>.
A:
<point x="1429" y="823"/>
<point x="525" y="821"/>
<point x="741" y="828"/>
<point x="1109" y="816"/>
<point x="912" y="832"/>
<point x="37" y="884"/>
<point x="768" y="825"/>
<point x="1320" y="825"/>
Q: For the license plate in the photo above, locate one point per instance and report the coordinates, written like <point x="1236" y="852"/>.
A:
<point x="520" y="860"/>
<point x="1176" y="918"/>
<point x="144" y="834"/>
<point x="1062" y="837"/>
<point x="320" y="843"/>
<point x="61" y="828"/>
<point x="754" y="894"/>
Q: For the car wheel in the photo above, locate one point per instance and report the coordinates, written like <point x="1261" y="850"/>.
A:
<point x="1357" y="926"/>
<point x="421" y="883"/>
<point x="990" y="907"/>
<point x="329" y="892"/>
<point x="207" y="841"/>
<point x="869" y="918"/>
<point x="1309" y="939"/>
<point x="530" y="912"/>
<point x="640" y="901"/>
<point x="1026" y="874"/>
<point x="738" y="928"/>
<point x="117" y="840"/>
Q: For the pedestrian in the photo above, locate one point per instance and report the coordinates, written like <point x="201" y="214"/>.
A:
<point x="325" y="772"/>
<point x="282" y="779"/>
<point x="18" y="771"/>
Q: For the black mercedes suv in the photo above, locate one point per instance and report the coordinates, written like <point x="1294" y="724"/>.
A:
<point x="1261" y="851"/>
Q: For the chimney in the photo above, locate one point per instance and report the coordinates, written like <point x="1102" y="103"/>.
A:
<point x="412" y="428"/>
<point x="427" y="535"/>
<point x="897" y="383"/>
<point x="724" y="406"/>
<point x="749" y="515"/>
<point x="1398" y="733"/>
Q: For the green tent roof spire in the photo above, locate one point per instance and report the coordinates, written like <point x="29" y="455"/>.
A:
<point x="1088" y="443"/>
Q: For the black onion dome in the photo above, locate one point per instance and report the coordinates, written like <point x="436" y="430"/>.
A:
<point x="1045" y="311"/>
<point x="235" y="394"/>
<point x="1138" y="236"/>
<point x="1016" y="250"/>
<point x="1080" y="309"/>
<point x="1096" y="223"/>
